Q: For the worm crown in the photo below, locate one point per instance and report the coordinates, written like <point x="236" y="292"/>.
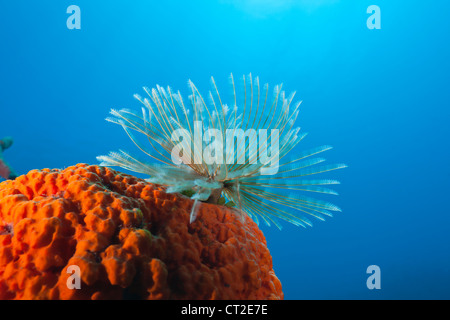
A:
<point x="233" y="154"/>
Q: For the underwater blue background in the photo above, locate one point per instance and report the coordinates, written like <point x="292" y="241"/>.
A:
<point x="379" y="97"/>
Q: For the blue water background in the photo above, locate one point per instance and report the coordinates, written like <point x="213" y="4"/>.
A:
<point x="381" y="98"/>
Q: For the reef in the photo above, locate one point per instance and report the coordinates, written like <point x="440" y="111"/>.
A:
<point x="6" y="172"/>
<point x="129" y="238"/>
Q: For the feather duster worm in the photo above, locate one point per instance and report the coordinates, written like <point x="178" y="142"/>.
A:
<point x="232" y="153"/>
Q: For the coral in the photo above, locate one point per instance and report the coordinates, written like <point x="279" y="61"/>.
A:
<point x="129" y="238"/>
<point x="6" y="171"/>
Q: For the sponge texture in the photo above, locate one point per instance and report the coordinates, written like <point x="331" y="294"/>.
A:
<point x="129" y="238"/>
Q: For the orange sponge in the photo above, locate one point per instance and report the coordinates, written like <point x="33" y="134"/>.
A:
<point x="129" y="238"/>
